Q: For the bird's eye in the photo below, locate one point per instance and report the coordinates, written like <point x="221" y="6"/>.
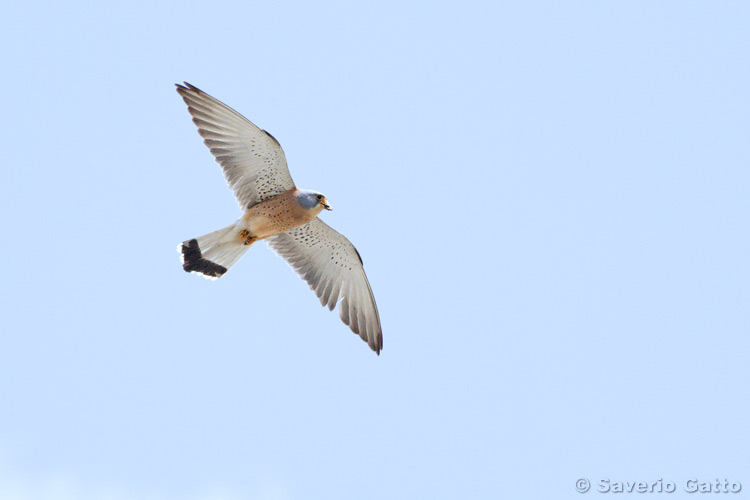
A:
<point x="320" y="196"/>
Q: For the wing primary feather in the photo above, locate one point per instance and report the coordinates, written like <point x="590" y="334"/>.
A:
<point x="344" y="311"/>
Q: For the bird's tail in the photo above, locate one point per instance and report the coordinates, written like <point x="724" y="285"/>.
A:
<point x="213" y="254"/>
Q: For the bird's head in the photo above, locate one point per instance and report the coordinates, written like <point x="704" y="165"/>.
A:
<point x="310" y="200"/>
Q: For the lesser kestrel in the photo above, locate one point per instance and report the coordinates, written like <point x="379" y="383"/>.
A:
<point x="276" y="211"/>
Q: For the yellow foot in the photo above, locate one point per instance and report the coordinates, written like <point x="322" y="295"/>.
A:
<point x="249" y="240"/>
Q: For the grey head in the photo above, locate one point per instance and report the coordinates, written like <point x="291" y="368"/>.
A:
<point x="311" y="199"/>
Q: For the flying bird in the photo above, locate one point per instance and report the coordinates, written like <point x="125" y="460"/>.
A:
<point x="277" y="211"/>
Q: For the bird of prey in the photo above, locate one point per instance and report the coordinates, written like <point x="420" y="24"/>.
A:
<point x="277" y="211"/>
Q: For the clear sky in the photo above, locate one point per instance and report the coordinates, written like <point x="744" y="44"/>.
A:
<point x="552" y="201"/>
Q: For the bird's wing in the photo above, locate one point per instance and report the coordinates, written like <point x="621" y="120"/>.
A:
<point x="253" y="161"/>
<point x="333" y="268"/>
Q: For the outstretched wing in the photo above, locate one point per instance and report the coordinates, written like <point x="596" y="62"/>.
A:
<point x="333" y="268"/>
<point x="253" y="161"/>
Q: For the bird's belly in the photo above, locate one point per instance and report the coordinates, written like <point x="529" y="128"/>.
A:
<point x="263" y="222"/>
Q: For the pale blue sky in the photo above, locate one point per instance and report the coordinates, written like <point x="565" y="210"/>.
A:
<point x="552" y="201"/>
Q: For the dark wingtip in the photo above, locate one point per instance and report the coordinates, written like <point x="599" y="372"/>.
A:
<point x="378" y="345"/>
<point x="272" y="137"/>
<point x="194" y="261"/>
<point x="358" y="255"/>
<point x="184" y="88"/>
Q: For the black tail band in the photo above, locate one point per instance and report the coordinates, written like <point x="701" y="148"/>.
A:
<point x="194" y="261"/>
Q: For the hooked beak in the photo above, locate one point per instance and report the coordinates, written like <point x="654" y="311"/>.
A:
<point x="324" y="204"/>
